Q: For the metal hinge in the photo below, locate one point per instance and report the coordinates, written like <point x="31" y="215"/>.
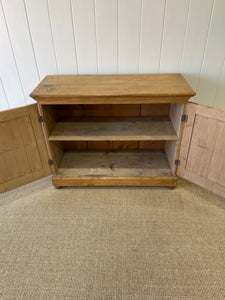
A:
<point x="50" y="162"/>
<point x="184" y="118"/>
<point x="41" y="119"/>
<point x="177" y="162"/>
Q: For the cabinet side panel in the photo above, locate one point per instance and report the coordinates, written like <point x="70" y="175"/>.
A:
<point x="172" y="147"/>
<point x="46" y="132"/>
<point x="57" y="151"/>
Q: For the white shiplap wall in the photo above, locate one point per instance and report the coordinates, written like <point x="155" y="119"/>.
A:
<point x="40" y="37"/>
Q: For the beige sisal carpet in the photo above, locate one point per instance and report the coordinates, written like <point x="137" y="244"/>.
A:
<point x="111" y="243"/>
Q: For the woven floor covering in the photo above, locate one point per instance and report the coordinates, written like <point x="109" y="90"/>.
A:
<point x="111" y="243"/>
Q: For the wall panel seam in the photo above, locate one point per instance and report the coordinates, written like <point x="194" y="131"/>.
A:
<point x="52" y="38"/>
<point x="74" y="38"/>
<point x="96" y="36"/>
<point x="185" y="35"/>
<point x="118" y="69"/>
<point x="205" y="48"/>
<point x="14" y="57"/>
<point x="28" y="25"/>
<point x="6" y="98"/>
<point x="218" y="82"/>
<point x="162" y="35"/>
<point x="140" y="37"/>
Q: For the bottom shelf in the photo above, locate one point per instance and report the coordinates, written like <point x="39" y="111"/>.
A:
<point x="114" y="168"/>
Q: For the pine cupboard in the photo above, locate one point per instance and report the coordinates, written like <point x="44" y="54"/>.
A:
<point x="113" y="130"/>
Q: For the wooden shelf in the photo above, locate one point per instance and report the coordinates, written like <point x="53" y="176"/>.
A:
<point x="114" y="163"/>
<point x="103" y="168"/>
<point x="114" y="129"/>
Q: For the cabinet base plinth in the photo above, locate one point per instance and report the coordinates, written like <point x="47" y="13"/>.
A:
<point x="112" y="181"/>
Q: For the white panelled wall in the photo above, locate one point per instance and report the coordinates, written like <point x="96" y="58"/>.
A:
<point x="40" y="37"/>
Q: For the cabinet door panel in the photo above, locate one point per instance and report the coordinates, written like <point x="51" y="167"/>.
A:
<point x="23" y="153"/>
<point x="202" y="152"/>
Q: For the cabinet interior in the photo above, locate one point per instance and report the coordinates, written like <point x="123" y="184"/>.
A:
<point x="113" y="139"/>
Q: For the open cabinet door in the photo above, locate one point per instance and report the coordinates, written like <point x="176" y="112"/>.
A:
<point x="23" y="152"/>
<point x="202" y="151"/>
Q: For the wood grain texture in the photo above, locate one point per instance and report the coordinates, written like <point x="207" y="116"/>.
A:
<point x="131" y="163"/>
<point x="172" y="147"/>
<point x="114" y="129"/>
<point x="126" y="110"/>
<point x="114" y="181"/>
<point x="47" y="127"/>
<point x="113" y="100"/>
<point x="23" y="153"/>
<point x="125" y="145"/>
<point x="155" y="85"/>
<point x="154" y="145"/>
<point x="202" y="149"/>
<point x="176" y="111"/>
<point x="103" y="110"/>
<point x="57" y="154"/>
<point x="155" y="109"/>
<point x="113" y="121"/>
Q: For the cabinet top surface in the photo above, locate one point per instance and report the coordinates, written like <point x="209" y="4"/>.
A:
<point x="140" y="85"/>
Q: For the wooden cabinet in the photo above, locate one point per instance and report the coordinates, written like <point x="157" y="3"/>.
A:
<point x="113" y="130"/>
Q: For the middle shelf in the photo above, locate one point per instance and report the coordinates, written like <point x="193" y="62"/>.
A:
<point x="113" y="129"/>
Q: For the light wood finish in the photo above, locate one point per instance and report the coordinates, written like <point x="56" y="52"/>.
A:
<point x="65" y="111"/>
<point x="116" y="129"/>
<point x="102" y="110"/>
<point x="114" y="100"/>
<point x="155" y="109"/>
<point x="98" y="86"/>
<point x="114" y="181"/>
<point x="113" y="145"/>
<point x="119" y="120"/>
<point x="124" y="110"/>
<point x="47" y="127"/>
<point x="172" y="147"/>
<point x="176" y="111"/>
<point x="23" y="153"/>
<point x="57" y="153"/>
<point x="48" y="112"/>
<point x="114" y="165"/>
<point x="202" y="153"/>
<point x="111" y="110"/>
